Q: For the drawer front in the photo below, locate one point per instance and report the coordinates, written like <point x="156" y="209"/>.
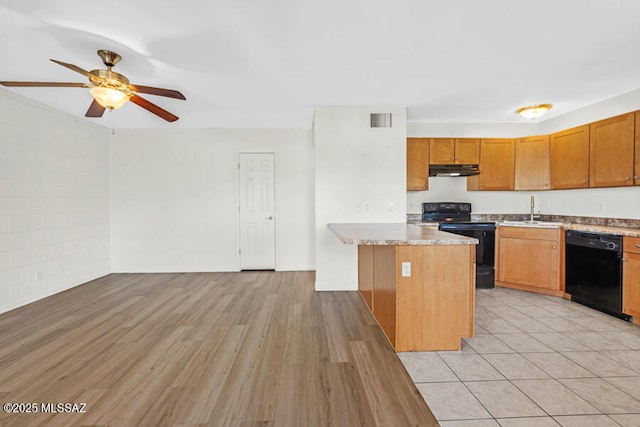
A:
<point x="631" y="244"/>
<point x="530" y="233"/>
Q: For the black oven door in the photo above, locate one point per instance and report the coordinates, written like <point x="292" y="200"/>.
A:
<point x="485" y="249"/>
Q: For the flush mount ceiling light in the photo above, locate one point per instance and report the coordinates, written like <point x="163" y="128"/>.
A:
<point x="533" y="111"/>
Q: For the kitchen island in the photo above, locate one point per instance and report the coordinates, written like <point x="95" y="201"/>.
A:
<point x="418" y="282"/>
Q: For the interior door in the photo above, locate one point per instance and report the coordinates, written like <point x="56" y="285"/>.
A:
<point x="257" y="211"/>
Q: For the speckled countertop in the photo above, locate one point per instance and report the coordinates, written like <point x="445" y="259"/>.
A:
<point x="622" y="231"/>
<point x="396" y="234"/>
<point x="620" y="226"/>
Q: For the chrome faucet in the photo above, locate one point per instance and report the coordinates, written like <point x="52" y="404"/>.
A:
<point x="533" y="205"/>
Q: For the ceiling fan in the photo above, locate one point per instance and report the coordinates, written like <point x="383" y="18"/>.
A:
<point x="110" y="89"/>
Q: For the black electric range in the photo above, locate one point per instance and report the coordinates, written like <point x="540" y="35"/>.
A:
<point x="455" y="217"/>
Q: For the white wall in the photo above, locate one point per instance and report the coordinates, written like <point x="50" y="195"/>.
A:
<point x="174" y="198"/>
<point x="54" y="201"/>
<point x="360" y="177"/>
<point x="597" y="202"/>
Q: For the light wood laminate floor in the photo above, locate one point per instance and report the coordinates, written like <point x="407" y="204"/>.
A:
<point x="224" y="349"/>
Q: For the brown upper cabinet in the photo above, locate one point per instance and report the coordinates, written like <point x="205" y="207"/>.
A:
<point x="605" y="153"/>
<point x="497" y="165"/>
<point x="459" y="151"/>
<point x="611" y="144"/>
<point x="417" y="164"/>
<point x="636" y="169"/>
<point x="532" y="163"/>
<point x="569" y="158"/>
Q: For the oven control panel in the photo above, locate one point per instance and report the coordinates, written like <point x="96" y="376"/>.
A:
<point x="446" y="207"/>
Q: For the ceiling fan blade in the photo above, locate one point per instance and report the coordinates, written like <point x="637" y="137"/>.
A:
<point x="157" y="91"/>
<point x="75" y="68"/>
<point x="95" y="110"/>
<point x="149" y="106"/>
<point x="43" y="84"/>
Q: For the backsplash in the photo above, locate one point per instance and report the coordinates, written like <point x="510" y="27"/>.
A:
<point x="588" y="220"/>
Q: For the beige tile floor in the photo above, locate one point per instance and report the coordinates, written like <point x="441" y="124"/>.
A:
<point x="535" y="361"/>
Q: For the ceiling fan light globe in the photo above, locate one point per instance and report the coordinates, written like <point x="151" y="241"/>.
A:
<point x="109" y="98"/>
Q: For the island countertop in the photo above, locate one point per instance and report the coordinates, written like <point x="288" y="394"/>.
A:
<point x="395" y="234"/>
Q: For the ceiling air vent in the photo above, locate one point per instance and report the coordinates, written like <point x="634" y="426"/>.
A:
<point x="380" y="120"/>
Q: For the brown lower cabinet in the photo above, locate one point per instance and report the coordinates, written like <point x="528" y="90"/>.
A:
<point x="631" y="277"/>
<point x="530" y="259"/>
<point x="430" y="310"/>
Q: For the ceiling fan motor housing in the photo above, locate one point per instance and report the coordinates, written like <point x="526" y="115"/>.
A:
<point x="109" y="58"/>
<point x="110" y="78"/>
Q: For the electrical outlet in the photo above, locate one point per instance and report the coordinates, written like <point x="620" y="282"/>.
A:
<point x="406" y="269"/>
<point x="599" y="205"/>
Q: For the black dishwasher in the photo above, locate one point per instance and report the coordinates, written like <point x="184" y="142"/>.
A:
<point x="593" y="271"/>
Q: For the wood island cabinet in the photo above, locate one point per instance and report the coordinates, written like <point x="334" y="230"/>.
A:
<point x="569" y="158"/>
<point x="530" y="259"/>
<point x="497" y="165"/>
<point x="419" y="282"/>
<point x="636" y="168"/>
<point x="433" y="307"/>
<point x="365" y="273"/>
<point x="532" y="163"/>
<point x="458" y="151"/>
<point x="417" y="164"/>
<point x="631" y="277"/>
<point x="611" y="146"/>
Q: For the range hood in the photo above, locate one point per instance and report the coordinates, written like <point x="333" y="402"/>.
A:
<point x="453" y="170"/>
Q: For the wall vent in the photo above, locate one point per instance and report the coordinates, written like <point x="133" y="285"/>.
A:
<point x="380" y="120"/>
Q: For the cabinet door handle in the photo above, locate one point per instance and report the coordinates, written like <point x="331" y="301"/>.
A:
<point x="628" y="178"/>
<point x="637" y="245"/>
<point x="625" y="259"/>
<point x="553" y="247"/>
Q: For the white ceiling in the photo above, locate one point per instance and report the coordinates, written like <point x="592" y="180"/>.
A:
<point x="267" y="63"/>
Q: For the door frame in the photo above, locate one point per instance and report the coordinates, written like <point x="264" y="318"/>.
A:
<point x="275" y="205"/>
